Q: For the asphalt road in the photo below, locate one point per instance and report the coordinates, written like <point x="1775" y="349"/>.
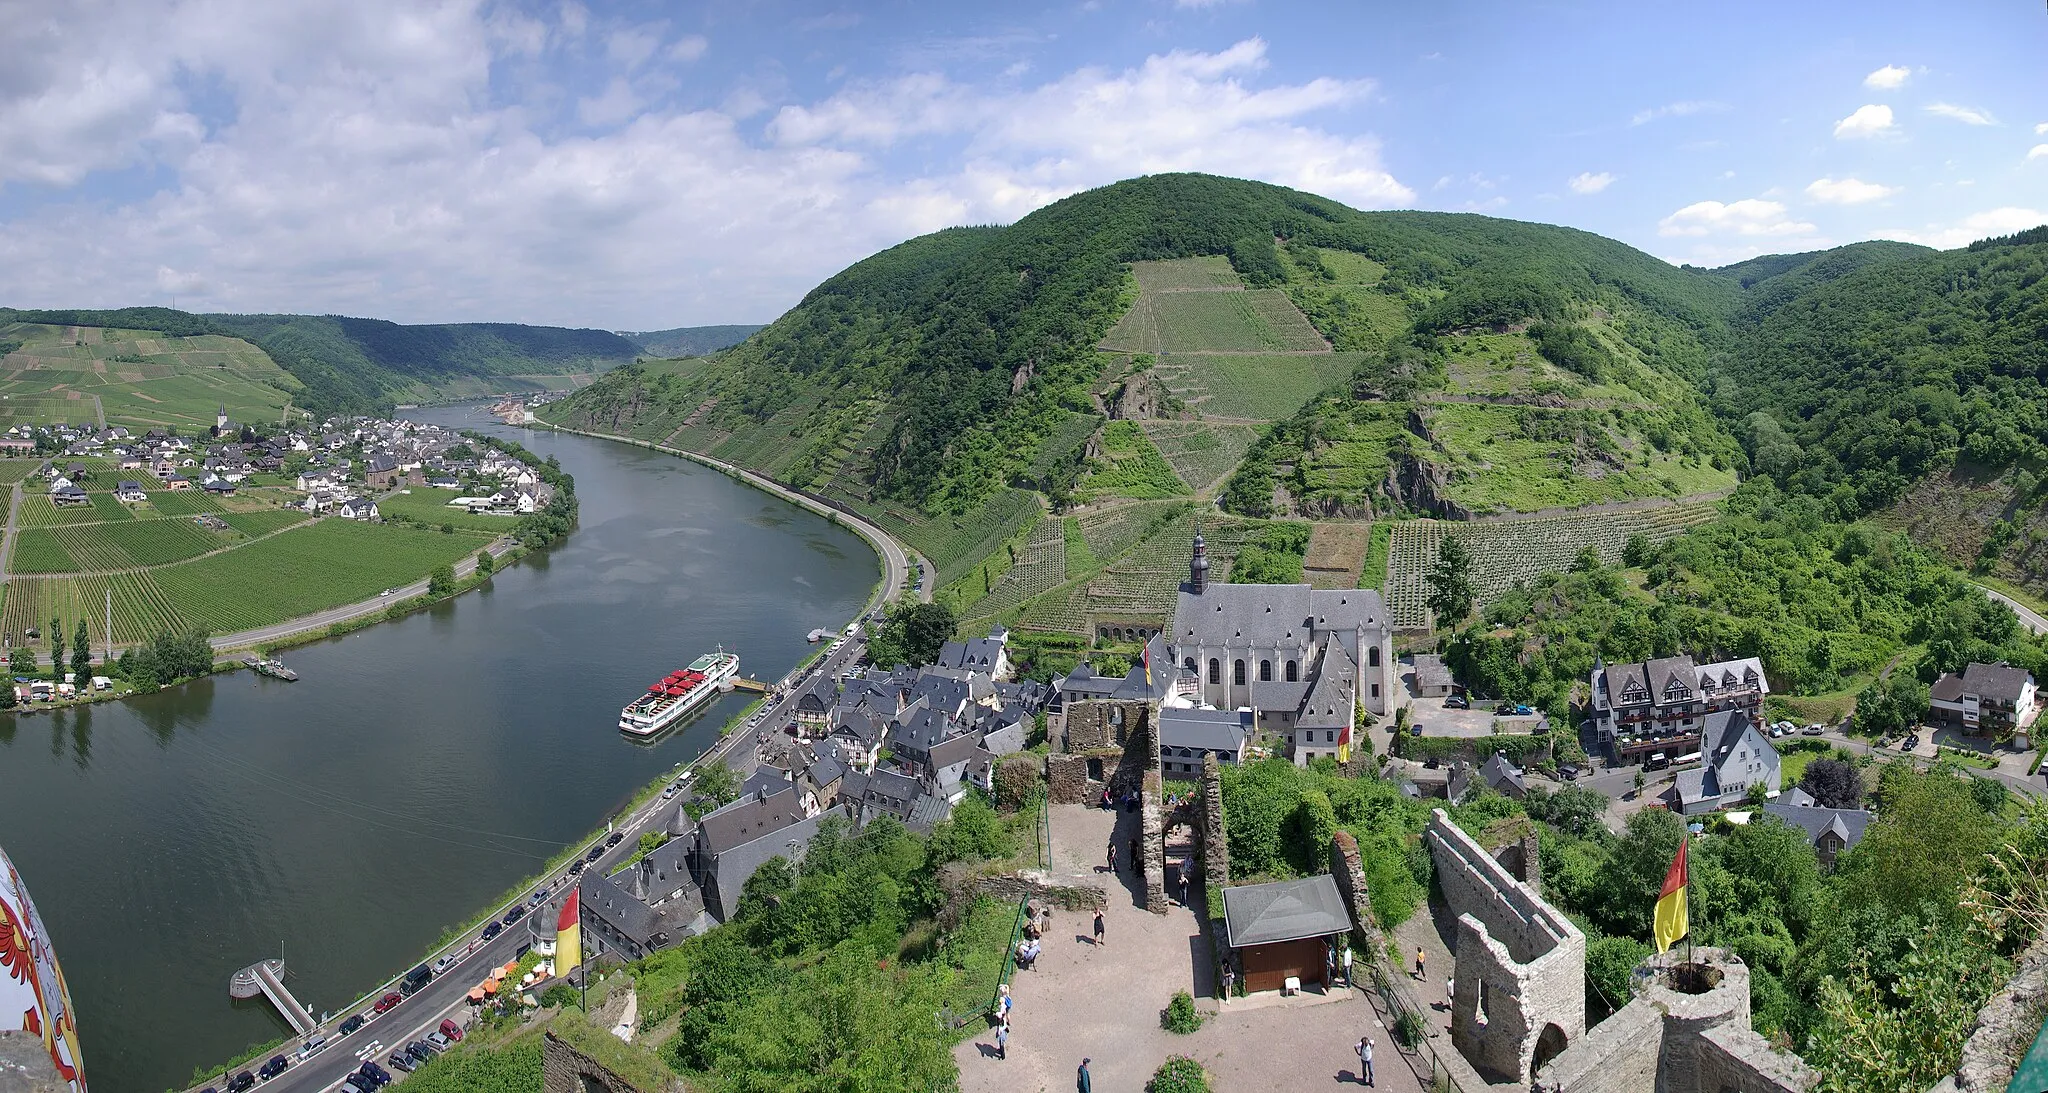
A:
<point x="2029" y="618"/>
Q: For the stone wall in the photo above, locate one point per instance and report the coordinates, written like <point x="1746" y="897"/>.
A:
<point x="25" y="1065"/>
<point x="1118" y="736"/>
<point x="1619" y="1055"/>
<point x="567" y="1070"/>
<point x="1520" y="967"/>
<point x="1215" y="840"/>
<point x="1067" y="781"/>
<point x="1348" y="870"/>
<point x="2006" y="1026"/>
<point x="1152" y="854"/>
<point x="1018" y="887"/>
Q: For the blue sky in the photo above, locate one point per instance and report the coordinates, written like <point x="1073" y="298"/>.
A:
<point x="643" y="165"/>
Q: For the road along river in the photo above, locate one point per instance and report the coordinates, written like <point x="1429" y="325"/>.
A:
<point x="417" y="770"/>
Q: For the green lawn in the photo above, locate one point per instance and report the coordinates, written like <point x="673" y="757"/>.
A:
<point x="430" y="506"/>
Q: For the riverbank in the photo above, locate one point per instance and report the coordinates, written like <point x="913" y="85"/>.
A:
<point x="895" y="557"/>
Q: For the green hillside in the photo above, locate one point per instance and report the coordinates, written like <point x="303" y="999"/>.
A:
<point x="334" y="364"/>
<point x="138" y="378"/>
<point x="689" y="341"/>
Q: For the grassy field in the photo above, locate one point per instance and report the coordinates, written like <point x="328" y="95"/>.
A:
<point x="1373" y="574"/>
<point x="1201" y="452"/>
<point x="430" y="506"/>
<point x="1129" y="466"/>
<point x="1259" y="387"/>
<point x="142" y="378"/>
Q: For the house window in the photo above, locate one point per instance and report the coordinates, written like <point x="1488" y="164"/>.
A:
<point x="1265" y="671"/>
<point x="1292" y="671"/>
<point x="1190" y="665"/>
<point x="1237" y="673"/>
<point x="1330" y="737"/>
<point x="1215" y="670"/>
<point x="1372" y="657"/>
<point x="1375" y="690"/>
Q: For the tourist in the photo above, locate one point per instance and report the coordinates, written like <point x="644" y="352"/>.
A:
<point x="1004" y="1003"/>
<point x="1081" y="1082"/>
<point x="1364" y="1050"/>
<point x="1347" y="967"/>
<point x="1420" y="958"/>
<point x="1450" y="993"/>
<point x="1003" y="1041"/>
<point x="1112" y="853"/>
<point x="1098" y="927"/>
<point x="1229" y="979"/>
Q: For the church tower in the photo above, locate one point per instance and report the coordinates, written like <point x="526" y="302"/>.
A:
<point x="1198" y="566"/>
<point x="220" y="420"/>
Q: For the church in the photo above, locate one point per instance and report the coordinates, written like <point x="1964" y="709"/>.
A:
<point x="1302" y="659"/>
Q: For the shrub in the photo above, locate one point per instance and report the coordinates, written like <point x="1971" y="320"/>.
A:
<point x="1178" y="1074"/>
<point x="1408" y="1029"/>
<point x="1180" y="1015"/>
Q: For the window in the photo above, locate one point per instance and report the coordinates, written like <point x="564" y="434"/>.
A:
<point x="1291" y="672"/>
<point x="1330" y="737"/>
<point x="1215" y="670"/>
<point x="1190" y="665"/>
<point x="1265" y="671"/>
<point x="1375" y="690"/>
<point x="1372" y="657"/>
<point x="1237" y="673"/>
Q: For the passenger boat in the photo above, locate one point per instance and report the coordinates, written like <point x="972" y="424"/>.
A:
<point x="678" y="693"/>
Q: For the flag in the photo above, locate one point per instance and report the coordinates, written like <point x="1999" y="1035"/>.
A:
<point x="569" y="937"/>
<point x="1671" y="922"/>
<point x="1148" y="667"/>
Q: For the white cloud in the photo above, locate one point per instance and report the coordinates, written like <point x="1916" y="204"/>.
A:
<point x="1748" y="217"/>
<point x="1888" y="77"/>
<point x="1867" y="121"/>
<point x="2037" y="151"/>
<point x="2000" y="221"/>
<point x="1847" y="191"/>
<point x="371" y="163"/>
<point x="1965" y="114"/>
<point x="689" y="47"/>
<point x="2041" y="128"/>
<point x="1585" y="182"/>
<point x="1676" y="110"/>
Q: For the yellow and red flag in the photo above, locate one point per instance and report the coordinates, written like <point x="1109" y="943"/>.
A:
<point x="1671" y="923"/>
<point x="569" y="936"/>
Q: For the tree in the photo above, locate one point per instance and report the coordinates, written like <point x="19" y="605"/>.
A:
<point x="56" y="648"/>
<point x="1572" y="809"/>
<point x="1890" y="704"/>
<point x="21" y="662"/>
<point x="81" y="655"/>
<point x="441" y="581"/>
<point x="1450" y="583"/>
<point x="717" y="782"/>
<point x="1928" y="837"/>
<point x="1834" y="783"/>
<point x="7" y="696"/>
<point x="912" y="635"/>
<point x="484" y="563"/>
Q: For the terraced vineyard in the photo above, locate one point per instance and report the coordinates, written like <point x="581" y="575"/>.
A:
<point x="1257" y="387"/>
<point x="1144" y="553"/>
<point x="957" y="544"/>
<point x="1185" y="274"/>
<point x="1201" y="452"/>
<point x="1251" y="321"/>
<point x="143" y="378"/>
<point x="1040" y="565"/>
<point x="1508" y="552"/>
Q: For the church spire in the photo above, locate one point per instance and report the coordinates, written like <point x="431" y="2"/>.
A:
<point x="1198" y="565"/>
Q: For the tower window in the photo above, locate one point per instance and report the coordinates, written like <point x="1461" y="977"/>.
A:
<point x="1372" y="657"/>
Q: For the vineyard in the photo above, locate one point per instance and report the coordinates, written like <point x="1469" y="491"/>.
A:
<point x="1260" y="387"/>
<point x="1510" y="552"/>
<point x="1201" y="452"/>
<point x="141" y="609"/>
<point x="956" y="544"/>
<point x="430" y="507"/>
<point x="1129" y="466"/>
<point x="1252" y="321"/>
<point x="14" y="470"/>
<point x="1146" y="548"/>
<point x="254" y="524"/>
<point x="134" y="544"/>
<point x="1041" y="564"/>
<point x="1183" y="274"/>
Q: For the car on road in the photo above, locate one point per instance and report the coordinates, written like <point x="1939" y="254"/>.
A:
<point x="596" y="852"/>
<point x="274" y="1067"/>
<point x="387" y="592"/>
<point x="450" y="1029"/>
<point x="576" y="867"/>
<point x="493" y="930"/>
<point x="615" y="838"/>
<point x="1813" y="730"/>
<point x="401" y="1061"/>
<point x="669" y="793"/>
<point x="352" y="1023"/>
<point x="385" y="1003"/>
<point x="517" y="912"/>
<point x="241" y="1081"/>
<point x="1457" y="702"/>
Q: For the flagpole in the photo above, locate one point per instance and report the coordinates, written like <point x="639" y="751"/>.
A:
<point x="1685" y="848"/>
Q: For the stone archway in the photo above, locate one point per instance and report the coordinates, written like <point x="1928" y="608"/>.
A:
<point x="1549" y="1045"/>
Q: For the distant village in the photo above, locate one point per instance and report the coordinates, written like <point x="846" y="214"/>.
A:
<point x="339" y="468"/>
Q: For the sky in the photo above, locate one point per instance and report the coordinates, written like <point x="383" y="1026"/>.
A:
<point x="639" y="166"/>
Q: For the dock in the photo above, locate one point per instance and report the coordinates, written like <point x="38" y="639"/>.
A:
<point x="266" y="977"/>
<point x="742" y="683"/>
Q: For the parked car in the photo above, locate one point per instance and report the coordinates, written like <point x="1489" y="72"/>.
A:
<point x="1568" y="772"/>
<point x="517" y="912"/>
<point x="668" y="794"/>
<point x="274" y="1067"/>
<point x="444" y="964"/>
<point x="419" y="1052"/>
<point x="450" y="1029"/>
<point x="1813" y="730"/>
<point x="1519" y="710"/>
<point x="351" y="1023"/>
<point x="539" y="898"/>
<point x="401" y="1061"/>
<point x="385" y="1003"/>
<point x="241" y="1081"/>
<point x="576" y="867"/>
<point x="615" y="838"/>
<point x="439" y="1041"/>
<point x="1912" y="741"/>
<point x="351" y="1087"/>
<point x="1415" y="729"/>
<point x="493" y="930"/>
<point x="596" y="852"/>
<point x="375" y="1073"/>
<point x="1457" y="702"/>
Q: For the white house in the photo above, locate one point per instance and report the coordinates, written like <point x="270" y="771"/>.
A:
<point x="358" y="508"/>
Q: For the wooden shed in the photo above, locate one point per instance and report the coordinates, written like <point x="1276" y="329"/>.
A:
<point x="1281" y="930"/>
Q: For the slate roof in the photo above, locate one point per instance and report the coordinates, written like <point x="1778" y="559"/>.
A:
<point x="734" y="866"/>
<point x="1664" y="671"/>
<point x="1008" y="740"/>
<point x="1279" y="695"/>
<point x="1430" y="671"/>
<point x="606" y="899"/>
<point x="1497" y="770"/>
<point x="1799" y="809"/>
<point x="921" y="731"/>
<point x="748" y="818"/>
<point x="1214" y="730"/>
<point x="1728" y="674"/>
<point x="958" y="749"/>
<point x="1949" y="688"/>
<point x="1999" y="682"/>
<point x="765" y="780"/>
<point x="892" y="789"/>
<point x="1284" y="910"/>
<point x="927" y="811"/>
<point x="825" y="771"/>
<point x="1331" y="700"/>
<point x="1719" y="732"/>
<point x="977" y="654"/>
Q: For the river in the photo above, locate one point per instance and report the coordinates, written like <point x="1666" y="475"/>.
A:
<point x="417" y="769"/>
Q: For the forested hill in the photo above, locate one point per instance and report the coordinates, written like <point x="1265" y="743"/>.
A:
<point x="938" y="370"/>
<point x="365" y="365"/>
<point x="689" y="341"/>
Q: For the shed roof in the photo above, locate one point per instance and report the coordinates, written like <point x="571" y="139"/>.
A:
<point x="1284" y="910"/>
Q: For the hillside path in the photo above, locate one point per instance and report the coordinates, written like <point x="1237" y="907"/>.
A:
<point x="7" y="537"/>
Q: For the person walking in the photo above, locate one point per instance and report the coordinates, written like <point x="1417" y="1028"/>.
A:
<point x="1081" y="1082"/>
<point x="1098" y="927"/>
<point x="1003" y="1040"/>
<point x="1420" y="959"/>
<point x="1450" y="993"/>
<point x="1112" y="853"/>
<point x="1364" y="1050"/>
<point x="1004" y="1003"/>
<point x="1348" y="984"/>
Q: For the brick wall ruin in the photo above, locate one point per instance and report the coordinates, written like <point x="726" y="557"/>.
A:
<point x="1520" y="968"/>
<point x="1118" y="741"/>
<point x="1214" y="844"/>
<point x="567" y="1070"/>
<point x="1673" y="1040"/>
<point x="1348" y="870"/>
